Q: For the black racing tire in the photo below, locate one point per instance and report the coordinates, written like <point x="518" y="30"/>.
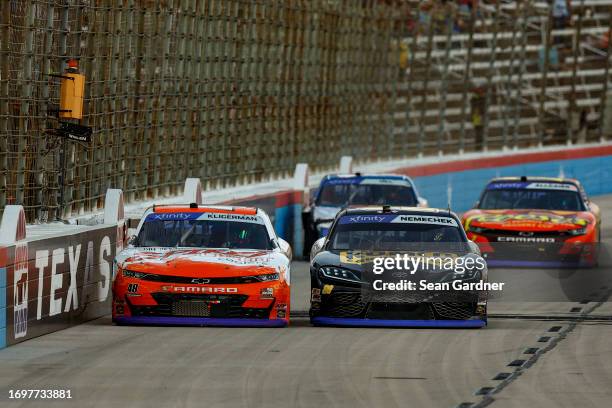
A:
<point x="310" y="235"/>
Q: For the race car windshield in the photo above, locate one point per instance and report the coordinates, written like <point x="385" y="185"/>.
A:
<point x="203" y="234"/>
<point x="340" y="195"/>
<point x="396" y="237"/>
<point x="530" y="199"/>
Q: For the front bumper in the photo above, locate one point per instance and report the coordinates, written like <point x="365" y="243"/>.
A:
<point x="198" y="321"/>
<point x="247" y="305"/>
<point x="345" y="306"/>
<point x="348" y="322"/>
<point x="571" y="253"/>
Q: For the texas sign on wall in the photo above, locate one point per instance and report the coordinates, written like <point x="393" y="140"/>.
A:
<point x="57" y="282"/>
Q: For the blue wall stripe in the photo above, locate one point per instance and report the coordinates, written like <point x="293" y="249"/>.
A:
<point x="464" y="187"/>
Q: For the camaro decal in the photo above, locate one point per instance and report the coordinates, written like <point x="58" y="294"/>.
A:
<point x="547" y="240"/>
<point x="197" y="289"/>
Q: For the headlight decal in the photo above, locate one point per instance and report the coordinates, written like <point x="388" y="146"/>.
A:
<point x="335" y="272"/>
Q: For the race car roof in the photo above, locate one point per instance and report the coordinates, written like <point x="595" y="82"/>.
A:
<point x="537" y="179"/>
<point x="396" y="210"/>
<point x="367" y="176"/>
<point x="182" y="208"/>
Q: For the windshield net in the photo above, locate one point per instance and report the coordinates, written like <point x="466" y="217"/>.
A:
<point x="203" y="234"/>
<point x="529" y="199"/>
<point x="396" y="237"/>
<point x="340" y="195"/>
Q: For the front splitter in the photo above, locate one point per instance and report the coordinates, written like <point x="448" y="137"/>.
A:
<point x="198" y="321"/>
<point x="348" y="322"/>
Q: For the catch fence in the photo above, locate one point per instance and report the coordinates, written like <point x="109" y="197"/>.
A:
<point x="239" y="91"/>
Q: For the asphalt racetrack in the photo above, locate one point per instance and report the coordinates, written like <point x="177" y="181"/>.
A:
<point x="536" y="352"/>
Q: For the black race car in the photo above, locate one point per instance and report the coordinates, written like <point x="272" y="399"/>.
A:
<point x="338" y="191"/>
<point x="397" y="266"/>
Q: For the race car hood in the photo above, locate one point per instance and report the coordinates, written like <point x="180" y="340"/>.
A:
<point x="528" y="220"/>
<point x="362" y="260"/>
<point x="202" y="262"/>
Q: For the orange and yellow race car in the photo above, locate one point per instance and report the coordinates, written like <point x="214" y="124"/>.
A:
<point x="204" y="266"/>
<point x="535" y="222"/>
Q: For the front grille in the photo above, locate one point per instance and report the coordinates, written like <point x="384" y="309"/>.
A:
<point x="352" y="304"/>
<point x="454" y="310"/>
<point x="399" y="311"/>
<point x="200" y="305"/>
<point x="195" y="308"/>
<point x="199" y="280"/>
<point x="534" y="234"/>
<point x="344" y="304"/>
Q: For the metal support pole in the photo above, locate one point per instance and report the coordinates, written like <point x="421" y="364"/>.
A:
<point x="606" y="85"/>
<point x="572" y="107"/>
<point x="465" y="100"/>
<point x="487" y="114"/>
<point x="544" y="80"/>
<point x="422" y="125"/>
<point x="518" y="102"/>
<point x="63" y="51"/>
<point x="443" y="96"/>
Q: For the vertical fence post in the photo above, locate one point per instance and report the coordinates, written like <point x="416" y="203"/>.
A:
<point x="488" y="113"/>
<point x="465" y="101"/>
<point x="604" y="95"/>
<point x="572" y="106"/>
<point x="5" y="134"/>
<point x="444" y="86"/>
<point x="62" y="160"/>
<point x="26" y="120"/>
<point x="422" y="122"/>
<point x="544" y="80"/>
<point x="522" y="68"/>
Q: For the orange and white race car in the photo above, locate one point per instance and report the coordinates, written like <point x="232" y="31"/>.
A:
<point x="204" y="266"/>
<point x="535" y="222"/>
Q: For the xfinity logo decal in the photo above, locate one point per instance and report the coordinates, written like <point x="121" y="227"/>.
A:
<point x="172" y="216"/>
<point x="367" y="218"/>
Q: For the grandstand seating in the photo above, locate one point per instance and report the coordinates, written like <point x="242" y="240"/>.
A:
<point x="505" y="57"/>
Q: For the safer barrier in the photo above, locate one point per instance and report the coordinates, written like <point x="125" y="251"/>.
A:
<point x="59" y="276"/>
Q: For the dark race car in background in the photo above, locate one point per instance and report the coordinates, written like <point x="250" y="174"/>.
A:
<point x="336" y="192"/>
<point x="345" y="286"/>
<point x="535" y="222"/>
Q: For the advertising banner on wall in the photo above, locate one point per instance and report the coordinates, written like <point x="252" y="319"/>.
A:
<point x="58" y="282"/>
